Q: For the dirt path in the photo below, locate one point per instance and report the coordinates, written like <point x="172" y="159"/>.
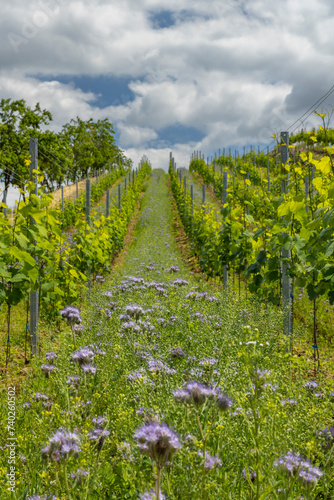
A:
<point x="69" y="191"/>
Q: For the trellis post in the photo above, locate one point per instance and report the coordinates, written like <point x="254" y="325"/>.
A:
<point x="286" y="254"/>
<point x="33" y="150"/>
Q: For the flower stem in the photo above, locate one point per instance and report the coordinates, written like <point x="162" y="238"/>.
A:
<point x="157" y="483"/>
<point x="66" y="482"/>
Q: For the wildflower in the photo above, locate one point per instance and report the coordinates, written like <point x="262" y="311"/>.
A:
<point x="73" y="380"/>
<point x="47" y="369"/>
<point x="251" y="475"/>
<point x="99" y="279"/>
<point x="131" y="326"/>
<point x="196" y="393"/>
<point x="98" y="436"/>
<point x="87" y="368"/>
<point x="99" y="421"/>
<point x="27" y="405"/>
<point x="38" y="396"/>
<point x="79" y="475"/>
<point x="177" y="352"/>
<point x="311" y="385"/>
<point x="134" y="311"/>
<point x="62" y="445"/>
<point x="289" y="401"/>
<point x="51" y="355"/>
<point x="208" y="362"/>
<point x="38" y="497"/>
<point x="327" y="435"/>
<point x="132" y="376"/>
<point x="48" y="405"/>
<point x="158" y="441"/>
<point x="210" y="462"/>
<point x="151" y="496"/>
<point x="299" y="467"/>
<point x="84" y="356"/>
<point x="71" y="314"/>
<point x="180" y="282"/>
<point x="223" y="401"/>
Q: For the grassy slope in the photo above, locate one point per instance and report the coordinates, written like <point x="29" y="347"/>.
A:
<point x="224" y="341"/>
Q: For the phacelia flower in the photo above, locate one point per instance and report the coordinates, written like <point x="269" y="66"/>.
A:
<point x="299" y="467"/>
<point x="71" y="314"/>
<point x="327" y="437"/>
<point x="250" y="474"/>
<point x="158" y="441"/>
<point x="311" y="385"/>
<point x="223" y="401"/>
<point x="84" y="356"/>
<point x="51" y="355"/>
<point x="87" y="368"/>
<point x="62" y="445"/>
<point x="134" y="311"/>
<point x="98" y="436"/>
<point x="47" y="369"/>
<point x="195" y="392"/>
<point x="38" y="396"/>
<point x="79" y="475"/>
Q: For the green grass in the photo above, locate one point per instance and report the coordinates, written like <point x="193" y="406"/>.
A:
<point x="224" y="340"/>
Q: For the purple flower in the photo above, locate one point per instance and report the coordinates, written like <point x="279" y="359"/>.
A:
<point x="133" y="376"/>
<point x="251" y="475"/>
<point x="47" y="369"/>
<point x="27" y="405"/>
<point x="99" y="421"/>
<point x="44" y="497"/>
<point x="62" y="445"/>
<point x="73" y="380"/>
<point x="158" y="366"/>
<point x="87" y="368"/>
<point x="98" y="436"/>
<point x="311" y="385"/>
<point x="99" y="279"/>
<point x="51" y="355"/>
<point x="180" y="282"/>
<point x="134" y="311"/>
<point x="79" y="475"/>
<point x="289" y="401"/>
<point x="195" y="392"/>
<point x="177" y="352"/>
<point x="210" y="462"/>
<point x="208" y="362"/>
<point x="223" y="401"/>
<point x="108" y="293"/>
<point x="151" y="496"/>
<point x="38" y="396"/>
<point x="48" y="405"/>
<point x="327" y="436"/>
<point x="297" y="466"/>
<point x="84" y="356"/>
<point x="71" y="314"/>
<point x="158" y="441"/>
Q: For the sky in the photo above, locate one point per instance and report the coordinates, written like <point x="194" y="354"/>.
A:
<point x="171" y="75"/>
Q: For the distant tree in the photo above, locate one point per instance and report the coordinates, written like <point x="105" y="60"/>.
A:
<point x="93" y="145"/>
<point x="18" y="122"/>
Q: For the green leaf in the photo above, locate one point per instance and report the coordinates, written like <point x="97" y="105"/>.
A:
<point x="22" y="256"/>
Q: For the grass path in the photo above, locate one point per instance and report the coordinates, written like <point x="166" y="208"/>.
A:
<point x="153" y="328"/>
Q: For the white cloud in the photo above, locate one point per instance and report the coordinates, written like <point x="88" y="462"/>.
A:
<point x="237" y="70"/>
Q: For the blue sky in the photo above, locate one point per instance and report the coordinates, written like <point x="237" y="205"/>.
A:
<point x="174" y="75"/>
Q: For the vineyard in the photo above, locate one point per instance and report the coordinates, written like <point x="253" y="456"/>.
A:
<point x="182" y="344"/>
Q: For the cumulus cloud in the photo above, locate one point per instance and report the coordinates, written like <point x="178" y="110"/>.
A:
<point x="235" y="70"/>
